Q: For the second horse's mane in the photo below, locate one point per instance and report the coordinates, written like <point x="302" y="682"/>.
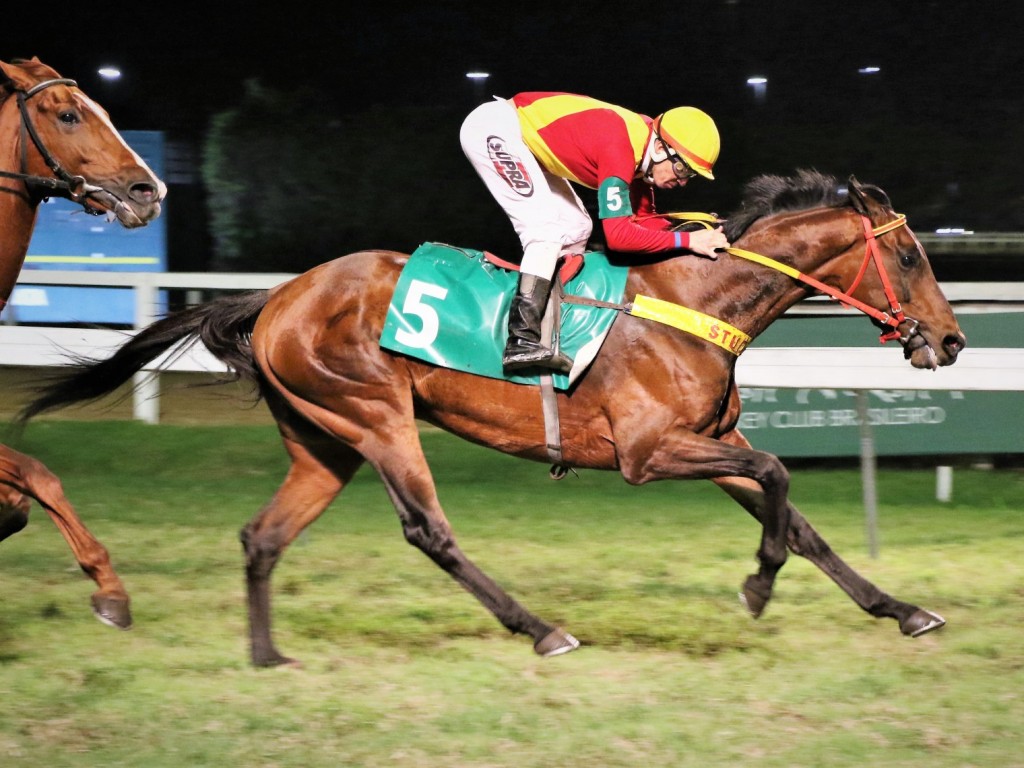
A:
<point x="769" y="194"/>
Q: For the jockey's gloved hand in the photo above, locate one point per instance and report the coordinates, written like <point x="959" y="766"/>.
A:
<point x="705" y="242"/>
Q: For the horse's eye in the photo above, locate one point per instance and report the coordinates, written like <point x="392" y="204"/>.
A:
<point x="909" y="259"/>
<point x="69" y="117"/>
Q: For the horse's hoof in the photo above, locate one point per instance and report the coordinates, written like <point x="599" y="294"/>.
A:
<point x="555" y="643"/>
<point x="112" y="611"/>
<point x="272" y="658"/>
<point x="754" y="597"/>
<point x="277" y="661"/>
<point x="921" y="622"/>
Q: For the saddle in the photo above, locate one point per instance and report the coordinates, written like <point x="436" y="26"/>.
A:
<point x="450" y="308"/>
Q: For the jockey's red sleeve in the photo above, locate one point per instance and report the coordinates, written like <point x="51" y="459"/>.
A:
<point x="626" y="235"/>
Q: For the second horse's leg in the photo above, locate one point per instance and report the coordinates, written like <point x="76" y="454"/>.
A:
<point x="26" y="475"/>
<point x="14" y="507"/>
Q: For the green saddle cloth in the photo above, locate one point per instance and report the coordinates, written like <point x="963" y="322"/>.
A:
<point x="450" y="308"/>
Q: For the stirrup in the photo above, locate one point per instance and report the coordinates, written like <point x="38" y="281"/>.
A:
<point x="560" y="363"/>
<point x="535" y="356"/>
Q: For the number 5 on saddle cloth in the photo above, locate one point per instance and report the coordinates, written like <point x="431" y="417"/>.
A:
<point x="450" y="308"/>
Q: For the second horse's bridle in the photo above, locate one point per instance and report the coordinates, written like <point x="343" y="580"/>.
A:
<point x="62" y="183"/>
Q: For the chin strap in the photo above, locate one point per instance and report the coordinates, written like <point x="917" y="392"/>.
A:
<point x="651" y="156"/>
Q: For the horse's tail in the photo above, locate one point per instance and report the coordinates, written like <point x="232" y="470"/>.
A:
<point x="224" y="325"/>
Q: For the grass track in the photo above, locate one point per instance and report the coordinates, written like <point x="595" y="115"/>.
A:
<point x="401" y="667"/>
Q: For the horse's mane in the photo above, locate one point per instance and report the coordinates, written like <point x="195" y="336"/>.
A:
<point x="767" y="195"/>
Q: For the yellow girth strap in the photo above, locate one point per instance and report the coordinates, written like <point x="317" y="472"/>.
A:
<point x="709" y="328"/>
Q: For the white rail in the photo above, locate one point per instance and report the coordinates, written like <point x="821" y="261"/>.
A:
<point x="988" y="369"/>
<point x="978" y="369"/>
<point x="147" y="284"/>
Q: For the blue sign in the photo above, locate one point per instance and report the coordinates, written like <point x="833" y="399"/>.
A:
<point x="67" y="238"/>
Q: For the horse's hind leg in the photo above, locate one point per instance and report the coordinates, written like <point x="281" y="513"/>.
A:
<point x="28" y="478"/>
<point x="309" y="487"/>
<point x="805" y="541"/>
<point x="403" y="468"/>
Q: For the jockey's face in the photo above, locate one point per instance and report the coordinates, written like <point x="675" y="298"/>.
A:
<point x="663" y="177"/>
<point x="671" y="173"/>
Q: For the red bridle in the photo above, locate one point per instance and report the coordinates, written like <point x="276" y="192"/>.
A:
<point x="893" y="318"/>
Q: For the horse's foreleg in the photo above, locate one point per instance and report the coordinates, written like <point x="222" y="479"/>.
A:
<point x="683" y="455"/>
<point x="805" y="541"/>
<point x="24" y="476"/>
<point x="408" y="481"/>
<point x="775" y="522"/>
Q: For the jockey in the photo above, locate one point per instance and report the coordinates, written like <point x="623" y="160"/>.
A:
<point x="529" y="148"/>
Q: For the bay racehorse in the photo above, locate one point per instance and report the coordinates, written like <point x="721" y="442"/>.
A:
<point x="657" y="403"/>
<point x="57" y="142"/>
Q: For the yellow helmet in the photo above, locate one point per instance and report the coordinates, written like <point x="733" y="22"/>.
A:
<point x="691" y="134"/>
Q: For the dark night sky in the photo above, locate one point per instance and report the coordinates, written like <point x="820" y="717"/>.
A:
<point x="181" y="60"/>
<point x="955" y="66"/>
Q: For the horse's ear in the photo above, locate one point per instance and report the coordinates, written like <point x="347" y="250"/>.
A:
<point x="13" y="76"/>
<point x="857" y="197"/>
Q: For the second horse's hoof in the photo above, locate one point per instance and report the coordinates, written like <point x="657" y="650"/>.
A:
<point x="112" y="611"/>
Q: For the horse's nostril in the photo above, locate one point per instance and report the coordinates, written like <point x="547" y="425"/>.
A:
<point x="954" y="344"/>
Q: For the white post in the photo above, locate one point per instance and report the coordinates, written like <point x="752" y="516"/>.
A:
<point x="146" y="384"/>
<point x="867" y="470"/>
<point x="943" y="483"/>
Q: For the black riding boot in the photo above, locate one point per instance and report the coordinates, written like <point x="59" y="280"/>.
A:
<point x="524" y="348"/>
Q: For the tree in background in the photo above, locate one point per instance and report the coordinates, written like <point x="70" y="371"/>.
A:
<point x="293" y="182"/>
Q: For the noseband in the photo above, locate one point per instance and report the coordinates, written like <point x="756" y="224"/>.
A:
<point x="65" y="185"/>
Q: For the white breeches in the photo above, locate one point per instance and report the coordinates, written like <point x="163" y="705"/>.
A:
<point x="547" y="214"/>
